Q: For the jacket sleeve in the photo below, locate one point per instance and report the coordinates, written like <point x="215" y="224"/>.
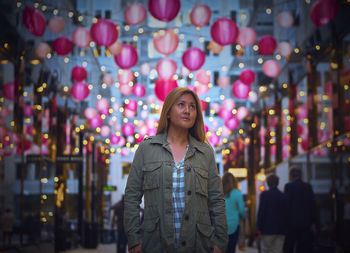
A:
<point x="133" y="198"/>
<point x="217" y="204"/>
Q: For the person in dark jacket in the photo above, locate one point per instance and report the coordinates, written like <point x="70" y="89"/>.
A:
<point x="272" y="217"/>
<point x="118" y="218"/>
<point x="301" y="214"/>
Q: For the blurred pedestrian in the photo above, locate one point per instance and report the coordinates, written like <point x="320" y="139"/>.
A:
<point x="235" y="209"/>
<point x="272" y="217"/>
<point x="7" y="222"/>
<point x="301" y="214"/>
<point x="118" y="219"/>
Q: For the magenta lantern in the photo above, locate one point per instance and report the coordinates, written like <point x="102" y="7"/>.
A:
<point x="34" y="21"/>
<point x="81" y="37"/>
<point x="8" y="90"/>
<point x="80" y="91"/>
<point x="42" y="50"/>
<point x="285" y="48"/>
<point x="271" y="68"/>
<point x="145" y="68"/>
<point x="131" y="105"/>
<point x="90" y="113"/>
<point x="139" y="90"/>
<point x="166" y="68"/>
<point x="203" y="76"/>
<point x="247" y="76"/>
<point x="135" y="14"/>
<point x="163" y="87"/>
<point x="193" y="58"/>
<point x="215" y="47"/>
<point x="165" y="42"/>
<point x="108" y="79"/>
<point x="96" y="121"/>
<point x="104" y="32"/>
<point x="228" y="104"/>
<point x="125" y="76"/>
<point x="214" y="139"/>
<point x="232" y="123"/>
<point x="304" y="144"/>
<point x="125" y="89"/>
<point x="246" y="36"/>
<point x="127" y="57"/>
<point x="302" y="112"/>
<point x="285" y="19"/>
<point x="323" y="11"/>
<point x="224" y="81"/>
<point x="3" y="132"/>
<point x="240" y="90"/>
<point x="128" y="129"/>
<point x="102" y="105"/>
<point x="5" y="112"/>
<point x="204" y="105"/>
<point x="225" y="114"/>
<point x="200" y="15"/>
<point x="56" y="24"/>
<point x="115" y="48"/>
<point x="267" y="45"/>
<point x="62" y="46"/>
<point x="105" y="131"/>
<point x="78" y="73"/>
<point x="242" y="112"/>
<point x="164" y="10"/>
<point x="224" y="31"/>
<point x="28" y="111"/>
<point x="114" y="139"/>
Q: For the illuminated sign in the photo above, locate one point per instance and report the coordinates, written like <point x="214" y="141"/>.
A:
<point x="238" y="172"/>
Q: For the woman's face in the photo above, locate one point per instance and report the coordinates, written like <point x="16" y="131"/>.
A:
<point x="184" y="112"/>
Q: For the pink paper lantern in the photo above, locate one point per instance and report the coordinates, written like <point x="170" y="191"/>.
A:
<point x="166" y="68"/>
<point x="228" y="104"/>
<point x="81" y="37"/>
<point x="108" y="79"/>
<point x="145" y="69"/>
<point x="125" y="89"/>
<point x="164" y="10"/>
<point x="115" y="48"/>
<point x="90" y="113"/>
<point x="246" y="36"/>
<point x="135" y="14"/>
<point x="163" y="87"/>
<point x="8" y="90"/>
<point x="225" y="114"/>
<point x="253" y="97"/>
<point x="240" y="90"/>
<point x="125" y="76"/>
<point x="214" y="139"/>
<point x="215" y="47"/>
<point x="285" y="19"/>
<point x="232" y="123"/>
<point x="78" y="73"/>
<point x="127" y="57"/>
<point x="267" y="45"/>
<point x="285" y="48"/>
<point x="80" y="91"/>
<point x="56" y="24"/>
<point x="203" y="76"/>
<point x="42" y="50"/>
<point x="139" y="90"/>
<point x="302" y="112"/>
<point x="242" y="112"/>
<point x="193" y="58"/>
<point x="28" y="111"/>
<point x="247" y="76"/>
<point x="201" y="88"/>
<point x="5" y="112"/>
<point x="3" y="132"/>
<point x="224" y="31"/>
<point x="200" y="15"/>
<point x="34" y="21"/>
<point x="104" y="32"/>
<point x="114" y="139"/>
<point x="165" y="42"/>
<point x="62" y="46"/>
<point x="128" y="129"/>
<point x="224" y="81"/>
<point x="96" y="121"/>
<point x="271" y="68"/>
<point x="105" y="131"/>
<point x="102" y="105"/>
<point x="323" y="11"/>
<point x="131" y="105"/>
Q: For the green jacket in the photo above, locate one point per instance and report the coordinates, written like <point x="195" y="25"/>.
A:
<point x="204" y="220"/>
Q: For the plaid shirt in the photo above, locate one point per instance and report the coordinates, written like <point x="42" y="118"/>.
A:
<point x="178" y="196"/>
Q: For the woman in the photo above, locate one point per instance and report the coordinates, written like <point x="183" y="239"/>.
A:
<point x="175" y="171"/>
<point x="235" y="209"/>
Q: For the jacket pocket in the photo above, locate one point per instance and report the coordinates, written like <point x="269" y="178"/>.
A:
<point x="151" y="174"/>
<point x="201" y="181"/>
<point x="204" y="236"/>
<point x="151" y="236"/>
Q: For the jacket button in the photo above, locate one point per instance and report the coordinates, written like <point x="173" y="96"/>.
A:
<point x="183" y="243"/>
<point x="188" y="168"/>
<point x="187" y="217"/>
<point x="189" y="193"/>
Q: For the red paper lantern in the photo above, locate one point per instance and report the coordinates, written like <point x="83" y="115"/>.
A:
<point x="81" y="37"/>
<point x="246" y="36"/>
<point x="165" y="42"/>
<point x="271" y="68"/>
<point x="104" y="32"/>
<point x="34" y="21"/>
<point x="323" y="11"/>
<point x="215" y="47"/>
<point x="80" y="91"/>
<point x="62" y="46"/>
<point x="78" y="73"/>
<point x="139" y="90"/>
<point x="127" y="57"/>
<point x="163" y="87"/>
<point x="135" y="14"/>
<point x="56" y="24"/>
<point x="285" y="19"/>
<point x="204" y="105"/>
<point x="247" y="76"/>
<point x="193" y="58"/>
<point x="267" y="45"/>
<point x="224" y="31"/>
<point x="115" y="48"/>
<point x="240" y="90"/>
<point x="200" y="15"/>
<point x="164" y="10"/>
<point x="42" y="50"/>
<point x="8" y="90"/>
<point x="166" y="68"/>
<point x="125" y="76"/>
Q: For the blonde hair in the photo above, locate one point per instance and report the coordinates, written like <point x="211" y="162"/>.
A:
<point x="229" y="183"/>
<point x="197" y="130"/>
